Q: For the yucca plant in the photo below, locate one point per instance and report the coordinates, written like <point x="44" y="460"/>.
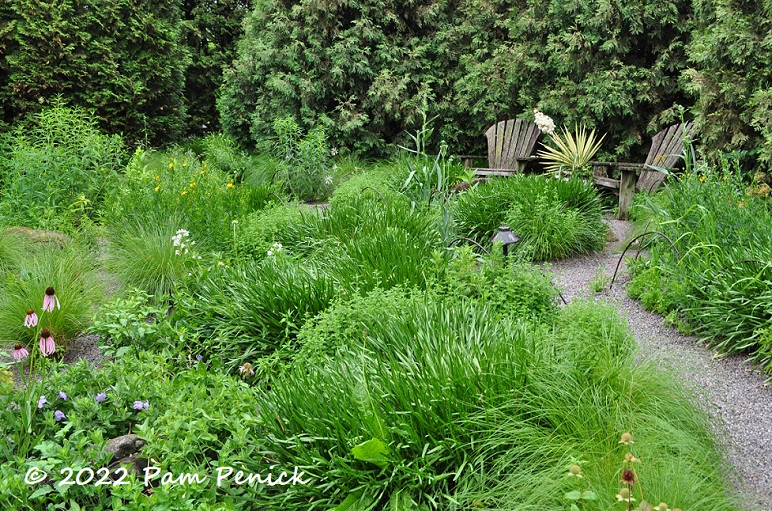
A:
<point x="571" y="153"/>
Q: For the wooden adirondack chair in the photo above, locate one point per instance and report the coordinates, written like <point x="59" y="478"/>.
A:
<point x="510" y="144"/>
<point x="667" y="149"/>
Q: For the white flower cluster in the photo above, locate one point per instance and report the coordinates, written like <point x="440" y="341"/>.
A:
<point x="182" y="246"/>
<point x="545" y="123"/>
<point x="275" y="249"/>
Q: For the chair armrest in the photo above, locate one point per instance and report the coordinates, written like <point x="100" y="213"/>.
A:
<point x="468" y="159"/>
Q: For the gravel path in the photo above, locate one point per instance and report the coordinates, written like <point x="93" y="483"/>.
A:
<point x="736" y="399"/>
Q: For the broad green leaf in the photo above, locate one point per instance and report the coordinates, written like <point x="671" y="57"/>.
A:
<point x="373" y="451"/>
<point x="574" y="495"/>
<point x="353" y="502"/>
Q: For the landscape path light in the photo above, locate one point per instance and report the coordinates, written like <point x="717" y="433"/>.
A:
<point x="506" y="237"/>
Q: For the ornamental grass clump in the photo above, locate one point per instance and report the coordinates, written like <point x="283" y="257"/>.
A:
<point x="437" y="404"/>
<point x="716" y="275"/>
<point x="151" y="255"/>
<point x="570" y="207"/>
<point x="54" y="288"/>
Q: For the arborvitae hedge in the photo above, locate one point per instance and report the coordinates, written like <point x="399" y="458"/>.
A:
<point x="121" y="58"/>
<point x="361" y="66"/>
<point x="731" y="77"/>
<point x="365" y="67"/>
<point x="210" y="32"/>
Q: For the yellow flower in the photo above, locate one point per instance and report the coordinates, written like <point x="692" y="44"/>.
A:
<point x="702" y="179"/>
<point x="157" y="178"/>
<point x="171" y="165"/>
<point x="193" y="184"/>
<point x="202" y="172"/>
<point x="157" y="188"/>
<point x="184" y="192"/>
<point x="185" y="164"/>
<point x="229" y="185"/>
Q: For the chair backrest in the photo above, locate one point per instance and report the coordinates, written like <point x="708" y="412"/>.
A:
<point x="667" y="149"/>
<point x="509" y="141"/>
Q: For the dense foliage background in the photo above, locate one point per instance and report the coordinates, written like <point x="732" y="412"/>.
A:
<point x="149" y="69"/>
<point x="367" y="70"/>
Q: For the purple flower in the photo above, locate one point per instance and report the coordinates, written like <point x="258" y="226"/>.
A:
<point x="199" y="358"/>
<point x="63" y="396"/>
<point x="59" y="415"/>
<point x="100" y="398"/>
<point x="19" y="353"/>
<point x="31" y="320"/>
<point x="42" y="401"/>
<point x="50" y="299"/>
<point x="47" y="345"/>
<point x="139" y="405"/>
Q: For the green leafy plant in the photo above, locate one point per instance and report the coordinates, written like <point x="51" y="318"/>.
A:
<point x="159" y="185"/>
<point x="127" y="323"/>
<point x="712" y="268"/>
<point x="571" y="154"/>
<point x="305" y="167"/>
<point x="189" y="415"/>
<point x="55" y="172"/>
<point x="600" y="281"/>
<point x="479" y="212"/>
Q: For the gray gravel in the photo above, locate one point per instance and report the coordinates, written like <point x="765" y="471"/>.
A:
<point x="734" y="396"/>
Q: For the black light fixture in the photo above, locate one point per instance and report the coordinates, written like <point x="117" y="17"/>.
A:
<point x="506" y="237"/>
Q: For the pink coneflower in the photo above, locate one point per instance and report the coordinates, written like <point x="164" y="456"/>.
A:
<point x="47" y="345"/>
<point x="31" y="320"/>
<point x="50" y="300"/>
<point x="628" y="478"/>
<point x="19" y="353"/>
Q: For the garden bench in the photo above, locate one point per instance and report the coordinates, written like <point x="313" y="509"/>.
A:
<point x="667" y="149"/>
<point x="510" y="144"/>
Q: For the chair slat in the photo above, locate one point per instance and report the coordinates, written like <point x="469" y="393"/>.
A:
<point x="510" y="143"/>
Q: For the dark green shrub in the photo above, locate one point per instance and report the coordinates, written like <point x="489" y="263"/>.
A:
<point x="121" y="59"/>
<point x="368" y="71"/>
<point x="729" y="76"/>
<point x="209" y="32"/>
